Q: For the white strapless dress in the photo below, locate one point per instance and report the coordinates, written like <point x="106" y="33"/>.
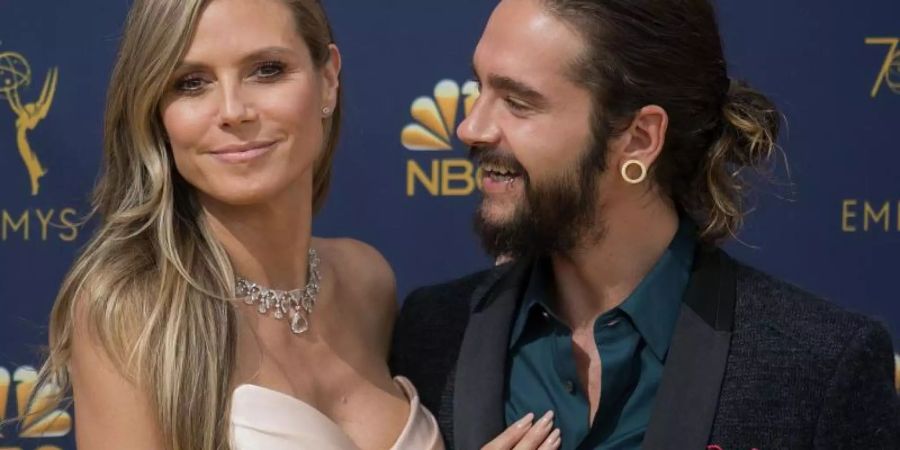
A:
<point x="266" y="419"/>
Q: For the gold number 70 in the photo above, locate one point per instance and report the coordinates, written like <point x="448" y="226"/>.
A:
<point x="888" y="59"/>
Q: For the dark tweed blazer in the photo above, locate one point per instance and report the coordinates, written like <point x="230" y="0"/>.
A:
<point x="754" y="363"/>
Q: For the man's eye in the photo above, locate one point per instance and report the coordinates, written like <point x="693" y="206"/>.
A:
<point x="515" y="104"/>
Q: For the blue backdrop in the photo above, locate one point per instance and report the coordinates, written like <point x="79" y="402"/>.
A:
<point x="833" y="68"/>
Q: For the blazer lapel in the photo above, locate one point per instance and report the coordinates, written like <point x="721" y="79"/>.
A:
<point x="685" y="405"/>
<point x="481" y="368"/>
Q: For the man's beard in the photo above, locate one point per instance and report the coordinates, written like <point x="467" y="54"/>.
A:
<point x="555" y="217"/>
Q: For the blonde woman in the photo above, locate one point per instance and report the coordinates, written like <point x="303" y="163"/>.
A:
<point x="203" y="314"/>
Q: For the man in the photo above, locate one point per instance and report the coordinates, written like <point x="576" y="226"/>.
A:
<point x="610" y="139"/>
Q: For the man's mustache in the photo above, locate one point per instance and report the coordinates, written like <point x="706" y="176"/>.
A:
<point x="481" y="156"/>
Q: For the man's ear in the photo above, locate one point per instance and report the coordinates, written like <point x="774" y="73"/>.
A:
<point x="642" y="141"/>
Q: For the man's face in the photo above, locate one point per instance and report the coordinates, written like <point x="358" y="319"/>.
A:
<point x="530" y="130"/>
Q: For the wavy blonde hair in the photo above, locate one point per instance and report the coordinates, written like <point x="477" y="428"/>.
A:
<point x="153" y="282"/>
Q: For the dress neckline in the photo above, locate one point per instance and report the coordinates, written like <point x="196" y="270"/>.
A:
<point x="257" y="398"/>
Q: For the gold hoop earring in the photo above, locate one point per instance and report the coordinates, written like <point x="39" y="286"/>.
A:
<point x="326" y="111"/>
<point x="628" y="178"/>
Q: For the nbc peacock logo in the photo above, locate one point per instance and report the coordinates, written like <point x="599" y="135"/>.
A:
<point x="889" y="71"/>
<point x="436" y="169"/>
<point x="42" y="419"/>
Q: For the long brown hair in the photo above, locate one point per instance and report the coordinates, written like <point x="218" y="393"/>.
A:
<point x="152" y="284"/>
<point x="669" y="53"/>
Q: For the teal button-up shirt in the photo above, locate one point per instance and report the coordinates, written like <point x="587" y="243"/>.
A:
<point x="632" y="340"/>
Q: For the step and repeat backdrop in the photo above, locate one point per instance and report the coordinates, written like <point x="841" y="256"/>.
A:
<point x="833" y="228"/>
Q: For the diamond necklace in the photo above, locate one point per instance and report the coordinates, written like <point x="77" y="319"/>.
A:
<point x="296" y="304"/>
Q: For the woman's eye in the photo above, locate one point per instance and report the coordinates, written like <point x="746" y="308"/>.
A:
<point x="269" y="69"/>
<point x="190" y="85"/>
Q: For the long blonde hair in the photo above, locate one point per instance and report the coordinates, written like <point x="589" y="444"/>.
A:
<point x="153" y="282"/>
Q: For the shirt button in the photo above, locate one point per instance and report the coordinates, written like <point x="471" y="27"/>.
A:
<point x="569" y="386"/>
<point x="545" y="314"/>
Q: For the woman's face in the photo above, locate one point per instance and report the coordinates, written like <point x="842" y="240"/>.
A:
<point x="244" y="109"/>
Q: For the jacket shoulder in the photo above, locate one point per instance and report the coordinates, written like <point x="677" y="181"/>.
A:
<point x="819" y="326"/>
<point x="433" y="319"/>
<point x="450" y="294"/>
<point x="801" y="369"/>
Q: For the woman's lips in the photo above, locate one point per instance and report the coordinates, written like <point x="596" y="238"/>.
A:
<point x="242" y="152"/>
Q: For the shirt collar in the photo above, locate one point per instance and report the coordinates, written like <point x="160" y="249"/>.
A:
<point x="652" y="307"/>
<point x="654" y="304"/>
<point x="537" y="295"/>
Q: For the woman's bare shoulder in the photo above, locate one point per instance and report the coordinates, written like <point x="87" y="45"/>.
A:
<point x="364" y="279"/>
<point x="357" y="265"/>
<point x="113" y="412"/>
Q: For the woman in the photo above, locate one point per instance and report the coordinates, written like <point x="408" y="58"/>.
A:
<point x="221" y="123"/>
<point x="203" y="314"/>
